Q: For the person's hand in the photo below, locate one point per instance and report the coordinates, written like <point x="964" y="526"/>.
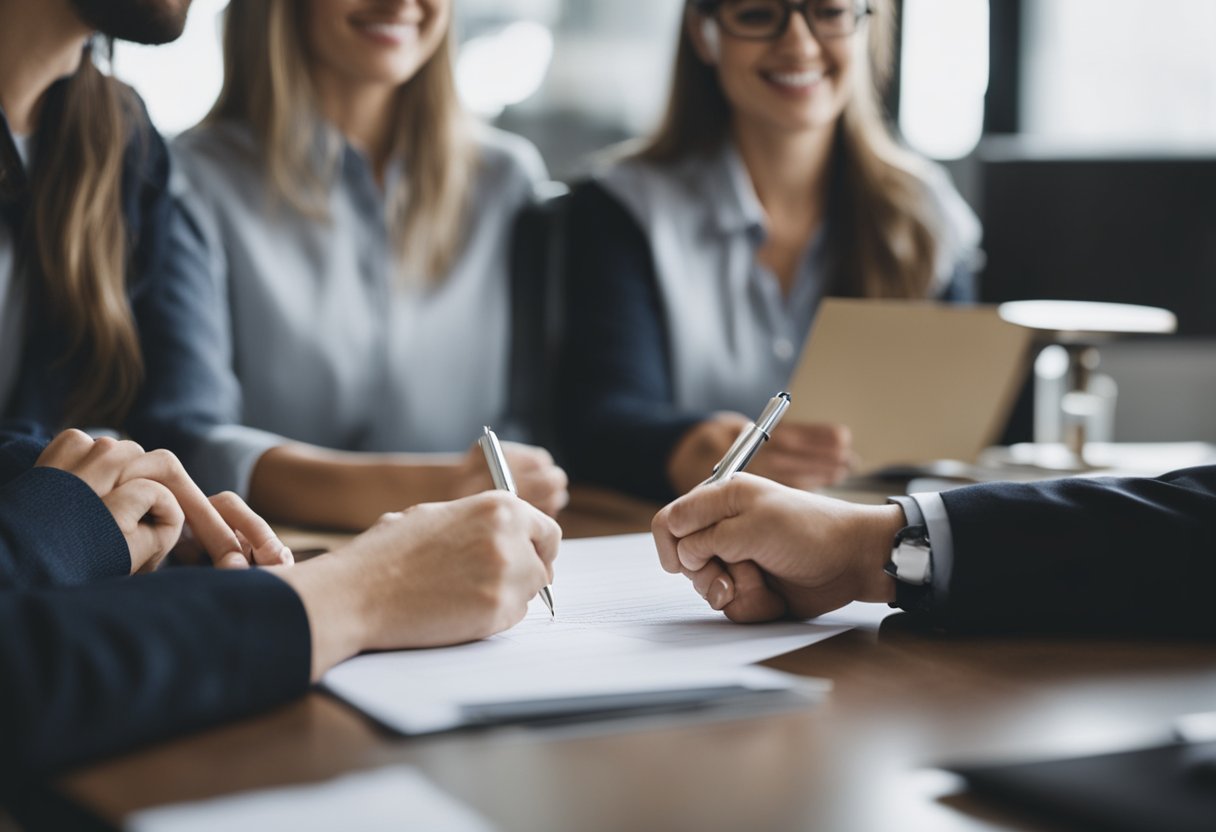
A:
<point x="151" y="496"/>
<point x="435" y="574"/>
<point x="758" y="550"/>
<point x="538" y="479"/>
<point x="799" y="454"/>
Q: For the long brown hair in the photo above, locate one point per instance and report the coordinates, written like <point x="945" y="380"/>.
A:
<point x="80" y="243"/>
<point x="267" y="86"/>
<point x="886" y="242"/>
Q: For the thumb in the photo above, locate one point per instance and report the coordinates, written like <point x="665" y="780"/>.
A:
<point x="149" y="517"/>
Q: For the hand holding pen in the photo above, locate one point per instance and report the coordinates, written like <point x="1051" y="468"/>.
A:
<point x="715" y="581"/>
<point x="500" y="473"/>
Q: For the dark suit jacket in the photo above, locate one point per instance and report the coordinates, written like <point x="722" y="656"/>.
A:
<point x="1101" y="556"/>
<point x="93" y="663"/>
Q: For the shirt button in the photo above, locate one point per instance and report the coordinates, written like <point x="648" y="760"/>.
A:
<point x="783" y="348"/>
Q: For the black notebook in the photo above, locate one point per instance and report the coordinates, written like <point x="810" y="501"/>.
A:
<point x="1170" y="788"/>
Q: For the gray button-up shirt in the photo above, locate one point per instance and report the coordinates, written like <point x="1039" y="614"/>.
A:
<point x="330" y="345"/>
<point x="735" y="337"/>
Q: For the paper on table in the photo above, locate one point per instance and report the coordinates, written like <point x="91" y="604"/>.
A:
<point x="396" y="799"/>
<point x="623" y="627"/>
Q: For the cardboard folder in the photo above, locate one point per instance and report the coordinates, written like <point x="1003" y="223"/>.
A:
<point x="914" y="381"/>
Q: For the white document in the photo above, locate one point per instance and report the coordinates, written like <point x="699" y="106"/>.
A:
<point x="396" y="799"/>
<point x="627" y="634"/>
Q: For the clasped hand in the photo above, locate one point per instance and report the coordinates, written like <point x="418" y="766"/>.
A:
<point x="759" y="551"/>
<point x="152" y="498"/>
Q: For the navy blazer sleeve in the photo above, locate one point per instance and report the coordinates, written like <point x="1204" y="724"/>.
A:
<point x="55" y="532"/>
<point x="617" y="422"/>
<point x="1100" y="556"/>
<point x="91" y="671"/>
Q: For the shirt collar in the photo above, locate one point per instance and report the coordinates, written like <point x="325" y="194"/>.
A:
<point x="734" y="206"/>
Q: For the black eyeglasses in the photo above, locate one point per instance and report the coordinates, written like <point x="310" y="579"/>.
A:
<point x="768" y="19"/>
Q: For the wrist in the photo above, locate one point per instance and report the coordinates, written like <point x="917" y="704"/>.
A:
<point x="883" y="523"/>
<point x="338" y="618"/>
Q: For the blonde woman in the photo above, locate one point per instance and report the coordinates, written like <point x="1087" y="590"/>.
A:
<point x="360" y="225"/>
<point x="696" y="265"/>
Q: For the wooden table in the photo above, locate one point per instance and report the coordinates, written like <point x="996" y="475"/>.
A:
<point x="862" y="760"/>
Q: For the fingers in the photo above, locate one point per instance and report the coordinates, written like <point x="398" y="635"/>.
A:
<point x="800" y="472"/>
<point x="544" y="488"/>
<point x="665" y="541"/>
<point x="526" y="457"/>
<point x="150" y="518"/>
<point x="808" y="455"/>
<point x="714" y="583"/>
<point x="546" y="537"/>
<point x="66" y="450"/>
<point x="823" y="440"/>
<point x="709" y="504"/>
<point x="753" y="599"/>
<point x="98" y="462"/>
<point x="210" y="529"/>
<point x="729" y="539"/>
<point x="103" y="466"/>
<point x="258" y="540"/>
<point x="537" y="478"/>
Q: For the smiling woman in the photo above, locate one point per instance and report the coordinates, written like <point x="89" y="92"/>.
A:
<point x="696" y="263"/>
<point x="361" y="225"/>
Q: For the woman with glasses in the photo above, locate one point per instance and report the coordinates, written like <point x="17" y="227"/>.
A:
<point x="696" y="263"/>
<point x="360" y="224"/>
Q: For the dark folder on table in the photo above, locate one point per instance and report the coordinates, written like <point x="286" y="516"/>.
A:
<point x="1170" y="787"/>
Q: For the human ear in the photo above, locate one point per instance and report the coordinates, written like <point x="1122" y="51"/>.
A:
<point x="705" y="36"/>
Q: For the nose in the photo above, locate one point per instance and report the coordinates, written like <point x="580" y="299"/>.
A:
<point x="799" y="35"/>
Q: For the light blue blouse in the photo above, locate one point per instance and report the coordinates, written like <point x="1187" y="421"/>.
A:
<point x="329" y="344"/>
<point x="734" y="336"/>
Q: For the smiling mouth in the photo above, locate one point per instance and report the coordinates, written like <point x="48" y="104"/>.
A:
<point x="795" y="80"/>
<point x="390" y="32"/>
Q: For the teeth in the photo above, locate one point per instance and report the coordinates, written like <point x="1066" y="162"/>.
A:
<point x="399" y="31"/>
<point x="797" y="79"/>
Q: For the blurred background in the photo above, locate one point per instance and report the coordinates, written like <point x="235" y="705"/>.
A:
<point x="1083" y="132"/>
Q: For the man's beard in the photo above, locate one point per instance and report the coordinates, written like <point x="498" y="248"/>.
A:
<point x="142" y="21"/>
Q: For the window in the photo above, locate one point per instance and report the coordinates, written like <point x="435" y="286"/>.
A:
<point x="1120" y="71"/>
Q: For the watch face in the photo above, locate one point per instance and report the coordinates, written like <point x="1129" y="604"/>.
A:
<point x="911" y="557"/>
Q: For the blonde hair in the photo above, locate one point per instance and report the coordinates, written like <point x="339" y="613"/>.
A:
<point x="886" y="243"/>
<point x="79" y="240"/>
<point x="268" y="86"/>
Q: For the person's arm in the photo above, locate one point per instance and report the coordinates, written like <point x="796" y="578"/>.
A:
<point x="1133" y="556"/>
<point x="55" y="532"/>
<point x="92" y="671"/>
<point x="1097" y="556"/>
<point x="617" y="423"/>
<point x="298" y="483"/>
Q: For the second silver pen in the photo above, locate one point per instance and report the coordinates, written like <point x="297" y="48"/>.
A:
<point x="500" y="473"/>
<point x="750" y="439"/>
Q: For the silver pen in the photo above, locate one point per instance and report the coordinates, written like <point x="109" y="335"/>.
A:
<point x="500" y="473"/>
<point x="750" y="439"/>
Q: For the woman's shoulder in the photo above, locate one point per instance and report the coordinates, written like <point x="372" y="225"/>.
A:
<point x="649" y="188"/>
<point x="221" y="146"/>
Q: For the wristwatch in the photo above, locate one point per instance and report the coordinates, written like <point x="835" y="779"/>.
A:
<point x="911" y="556"/>
<point x="911" y="561"/>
